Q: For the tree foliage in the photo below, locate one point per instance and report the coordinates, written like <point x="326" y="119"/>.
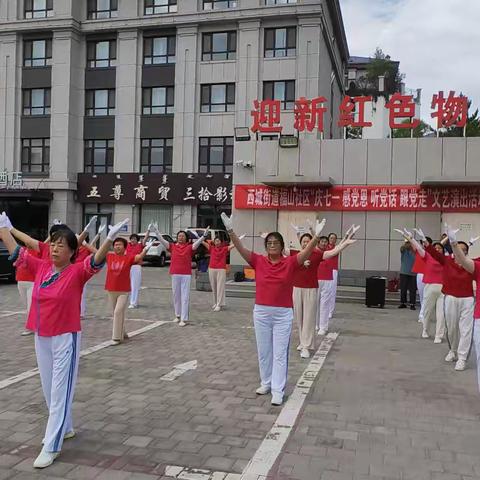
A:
<point x="421" y="130"/>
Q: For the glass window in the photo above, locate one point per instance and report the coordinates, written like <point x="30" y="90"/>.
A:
<point x="216" y="155"/>
<point x="279" y="2"/>
<point x="156" y="155"/>
<point x="37" y="53"/>
<point x="219" y="46"/>
<point x="152" y="7"/>
<point x="36" y="155"/>
<point x="98" y="156"/>
<point x="36" y="101"/>
<point x="159" y="50"/>
<point x="101" y="54"/>
<point x="38" y="8"/>
<point x="100" y="103"/>
<point x="218" y="98"/>
<point x="219" y="4"/>
<point x="283" y="90"/>
<point x="158" y="100"/>
<point x="280" y="42"/>
<point x="100" y="9"/>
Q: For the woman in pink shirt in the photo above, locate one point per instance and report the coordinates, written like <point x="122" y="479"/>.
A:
<point x="55" y="318"/>
<point x="273" y="311"/>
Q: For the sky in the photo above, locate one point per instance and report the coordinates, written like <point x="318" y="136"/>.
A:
<point x="436" y="41"/>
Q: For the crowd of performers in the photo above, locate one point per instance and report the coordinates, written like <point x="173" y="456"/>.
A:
<point x="291" y="285"/>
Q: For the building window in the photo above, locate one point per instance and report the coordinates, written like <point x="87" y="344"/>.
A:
<point x="218" y="98"/>
<point x="36" y="101"/>
<point x="98" y="9"/>
<point x="152" y="7"/>
<point x="216" y="155"/>
<point x="35" y="155"/>
<point x="159" y="50"/>
<point x="158" y="100"/>
<point x="38" y="8"/>
<point x="219" y="4"/>
<point x="279" y="2"/>
<point x="157" y="154"/>
<point x="282" y="90"/>
<point x="219" y="46"/>
<point x="280" y="42"/>
<point x="98" y="156"/>
<point x="100" y="103"/>
<point x="37" y="53"/>
<point x="101" y="54"/>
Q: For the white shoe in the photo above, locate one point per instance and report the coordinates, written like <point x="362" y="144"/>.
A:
<point x="131" y="306"/>
<point x="277" y="399"/>
<point x="299" y="348"/>
<point x="176" y="319"/>
<point x="67" y="436"/>
<point x="217" y="308"/>
<point x="182" y="323"/>
<point x="451" y="357"/>
<point x="321" y="331"/>
<point x="26" y="332"/>
<point x="420" y="320"/>
<point x="115" y="342"/>
<point x="438" y="340"/>
<point x="425" y="334"/>
<point x="214" y="306"/>
<point x="305" y="353"/>
<point x="45" y="459"/>
<point x="460" y="365"/>
<point x="262" y="390"/>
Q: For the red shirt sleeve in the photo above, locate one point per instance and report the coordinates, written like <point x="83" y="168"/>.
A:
<point x="439" y="257"/>
<point x="253" y="259"/>
<point x="30" y="262"/>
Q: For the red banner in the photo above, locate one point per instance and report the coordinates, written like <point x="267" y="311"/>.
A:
<point x="398" y="198"/>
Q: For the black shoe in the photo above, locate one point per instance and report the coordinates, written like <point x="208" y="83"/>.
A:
<point x="402" y="305"/>
<point x="412" y="307"/>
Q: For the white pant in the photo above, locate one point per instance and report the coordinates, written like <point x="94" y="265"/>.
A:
<point x="433" y="299"/>
<point x="25" y="290"/>
<point x="57" y="359"/>
<point x="218" y="278"/>
<point x="459" y="320"/>
<point x="476" y="343"/>
<point x="181" y="295"/>
<point x="135" y="283"/>
<point x="420" y="288"/>
<point x="333" y="297"/>
<point x="305" y="314"/>
<point x="323" y="303"/>
<point x="273" y="327"/>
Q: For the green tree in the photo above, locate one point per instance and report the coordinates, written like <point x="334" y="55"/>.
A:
<point x="472" y="128"/>
<point x="421" y="130"/>
<point x="381" y="64"/>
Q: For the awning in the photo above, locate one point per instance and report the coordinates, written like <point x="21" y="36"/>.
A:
<point x="300" y="180"/>
<point x="14" y="194"/>
<point x="450" y="180"/>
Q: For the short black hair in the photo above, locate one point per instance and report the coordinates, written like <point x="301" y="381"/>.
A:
<point x="54" y="228"/>
<point x="332" y="233"/>
<point x="134" y="235"/>
<point x="306" y="235"/>
<point x="276" y="236"/>
<point x="70" y="238"/>
<point x="438" y="243"/>
<point x="121" y="240"/>
<point x="429" y="240"/>
<point x="184" y="232"/>
<point x="323" y="237"/>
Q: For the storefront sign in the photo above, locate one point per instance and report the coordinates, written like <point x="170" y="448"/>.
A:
<point x="309" y="114"/>
<point x="169" y="188"/>
<point x="379" y="198"/>
<point x="11" y="180"/>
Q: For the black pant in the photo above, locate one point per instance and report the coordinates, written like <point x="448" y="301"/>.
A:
<point x="408" y="282"/>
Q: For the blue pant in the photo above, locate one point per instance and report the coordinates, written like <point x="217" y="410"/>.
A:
<point x="273" y="327"/>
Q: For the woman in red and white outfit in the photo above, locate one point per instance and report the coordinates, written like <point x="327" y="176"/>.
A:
<point x="273" y="311"/>
<point x="135" y="247"/>
<point x="332" y="243"/>
<point x="305" y="291"/>
<point x="325" y="281"/>
<point x="55" y="318"/>
<point x="181" y="253"/>
<point x="117" y="284"/>
<point x="419" y="268"/>
<point x="217" y="270"/>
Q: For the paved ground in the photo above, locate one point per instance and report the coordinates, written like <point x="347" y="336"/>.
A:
<point x="383" y="406"/>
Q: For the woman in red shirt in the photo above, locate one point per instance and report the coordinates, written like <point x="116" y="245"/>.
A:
<point x="55" y="317"/>
<point x="135" y="247"/>
<point x="117" y="284"/>
<point x="273" y="311"/>
<point x="419" y="269"/>
<point x="217" y="271"/>
<point x="332" y="242"/>
<point x="181" y="253"/>
<point x="305" y="288"/>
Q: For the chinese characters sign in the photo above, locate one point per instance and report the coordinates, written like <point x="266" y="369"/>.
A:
<point x="11" y="180"/>
<point x="309" y="114"/>
<point x="168" y="188"/>
<point x="359" y="198"/>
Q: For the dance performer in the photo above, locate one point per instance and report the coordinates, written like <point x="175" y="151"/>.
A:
<point x="419" y="269"/>
<point x="181" y="252"/>
<point x="135" y="247"/>
<point x="408" y="281"/>
<point x="273" y="311"/>
<point x="117" y="283"/>
<point x="55" y="318"/>
<point x="332" y="242"/>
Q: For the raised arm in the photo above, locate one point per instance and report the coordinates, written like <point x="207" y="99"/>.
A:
<point x="409" y="236"/>
<point x="342" y="245"/>
<point x="201" y="239"/>
<point x="101" y="253"/>
<point x="83" y="235"/>
<point x="141" y="255"/>
<point x="237" y="243"/>
<point x="307" y="251"/>
<point x="27" y="240"/>
<point x="154" y="229"/>
<point x="467" y="263"/>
